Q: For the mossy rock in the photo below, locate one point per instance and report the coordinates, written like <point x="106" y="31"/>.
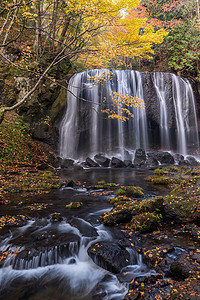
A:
<point x="125" y="208"/>
<point x="103" y="185"/>
<point x="160" y="180"/>
<point x="182" y="204"/>
<point x="74" y="205"/>
<point x="130" y="191"/>
<point x="151" y="205"/>
<point x="121" y="213"/>
<point x="146" y="222"/>
<point x="119" y="200"/>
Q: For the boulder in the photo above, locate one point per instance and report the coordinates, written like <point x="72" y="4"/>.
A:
<point x="192" y="160"/>
<point x="140" y="158"/>
<point x="85" y="228"/>
<point x="66" y="163"/>
<point x="128" y="163"/>
<point x="179" y="159"/>
<point x="180" y="269"/>
<point x="117" y="163"/>
<point x="91" y="163"/>
<point x="151" y="162"/>
<point x="112" y="256"/>
<point x="102" y="160"/>
<point x="165" y="158"/>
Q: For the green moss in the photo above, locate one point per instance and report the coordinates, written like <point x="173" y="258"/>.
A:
<point x="130" y="191"/>
<point x="125" y="208"/>
<point x="184" y="200"/>
<point x="162" y="180"/>
<point x="146" y="222"/>
<point x="118" y="200"/>
<point x="74" y="205"/>
<point x="158" y="171"/>
<point x="103" y="185"/>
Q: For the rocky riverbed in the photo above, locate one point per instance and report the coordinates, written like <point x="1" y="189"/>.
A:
<point x="44" y="239"/>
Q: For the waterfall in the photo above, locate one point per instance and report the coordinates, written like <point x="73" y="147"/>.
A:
<point x="168" y="122"/>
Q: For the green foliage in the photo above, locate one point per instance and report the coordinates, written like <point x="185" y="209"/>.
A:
<point x="183" y="46"/>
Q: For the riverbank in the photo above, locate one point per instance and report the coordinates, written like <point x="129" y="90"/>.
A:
<point x="168" y="200"/>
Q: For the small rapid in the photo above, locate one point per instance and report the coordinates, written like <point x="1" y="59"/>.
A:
<point x="57" y="265"/>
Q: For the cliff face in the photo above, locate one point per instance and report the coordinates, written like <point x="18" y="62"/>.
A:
<point x="43" y="111"/>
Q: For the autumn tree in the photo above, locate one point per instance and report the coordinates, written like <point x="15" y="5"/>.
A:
<point x="37" y="37"/>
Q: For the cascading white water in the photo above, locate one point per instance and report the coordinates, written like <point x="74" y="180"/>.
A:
<point x="170" y="105"/>
<point x="65" y="270"/>
<point x="159" y="83"/>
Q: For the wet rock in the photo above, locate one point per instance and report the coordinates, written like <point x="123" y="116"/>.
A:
<point x="85" y="228"/>
<point x="102" y="160"/>
<point x="91" y="163"/>
<point x="151" y="162"/>
<point x="140" y="158"/>
<point x="179" y="159"/>
<point x="112" y="256"/>
<point x="57" y="162"/>
<point x="180" y="269"/>
<point x="66" y="163"/>
<point x="117" y="163"/>
<point x="192" y="160"/>
<point x="47" y="251"/>
<point x="70" y="183"/>
<point x="75" y="168"/>
<point x="169" y="213"/>
<point x="120" y="216"/>
<point x="56" y="217"/>
<point x="128" y="163"/>
<point x="165" y="158"/>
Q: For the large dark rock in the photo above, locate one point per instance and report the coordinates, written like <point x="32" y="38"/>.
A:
<point x="102" y="160"/>
<point x="165" y="158"/>
<point x="179" y="159"/>
<point x="180" y="269"/>
<point x="192" y="160"/>
<point x="117" y="163"/>
<point x="91" y="163"/>
<point x="128" y="163"/>
<point x="85" y="228"/>
<point x="66" y="163"/>
<point x="112" y="256"/>
<point x="151" y="162"/>
<point x="140" y="158"/>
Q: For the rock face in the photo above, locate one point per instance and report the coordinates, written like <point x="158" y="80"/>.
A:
<point x="165" y="158"/>
<point x="151" y="162"/>
<point x="66" y="163"/>
<point x="91" y="163"/>
<point x="192" y="161"/>
<point x="117" y="163"/>
<point x="102" y="160"/>
<point x="112" y="256"/>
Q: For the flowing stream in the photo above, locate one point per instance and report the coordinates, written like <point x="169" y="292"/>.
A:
<point x="47" y="258"/>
